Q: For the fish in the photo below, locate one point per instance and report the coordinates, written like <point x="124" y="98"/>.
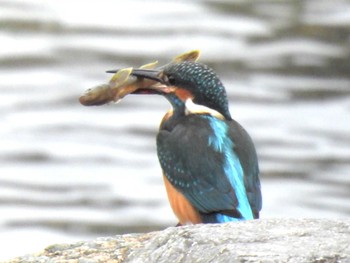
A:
<point x="112" y="92"/>
<point x="106" y="93"/>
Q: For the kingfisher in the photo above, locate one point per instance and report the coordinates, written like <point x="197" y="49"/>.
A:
<point x="209" y="162"/>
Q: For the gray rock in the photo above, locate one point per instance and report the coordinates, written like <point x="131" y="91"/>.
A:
<point x="268" y="240"/>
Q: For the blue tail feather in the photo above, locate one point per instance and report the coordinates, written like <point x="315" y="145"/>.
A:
<point x="219" y="218"/>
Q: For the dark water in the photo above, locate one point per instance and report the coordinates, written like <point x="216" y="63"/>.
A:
<point x="68" y="172"/>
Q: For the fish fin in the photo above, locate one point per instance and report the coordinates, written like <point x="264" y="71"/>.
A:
<point x="192" y="55"/>
<point x="151" y="65"/>
<point x="120" y="77"/>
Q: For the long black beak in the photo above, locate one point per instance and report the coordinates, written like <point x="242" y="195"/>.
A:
<point x="152" y="74"/>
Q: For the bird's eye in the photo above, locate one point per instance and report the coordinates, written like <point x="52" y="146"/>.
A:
<point x="171" y="79"/>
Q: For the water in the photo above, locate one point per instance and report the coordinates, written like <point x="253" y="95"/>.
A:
<point x="69" y="172"/>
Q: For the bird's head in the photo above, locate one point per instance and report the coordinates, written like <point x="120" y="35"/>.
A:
<point x="192" y="86"/>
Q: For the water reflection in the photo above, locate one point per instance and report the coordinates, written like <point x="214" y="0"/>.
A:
<point x="70" y="172"/>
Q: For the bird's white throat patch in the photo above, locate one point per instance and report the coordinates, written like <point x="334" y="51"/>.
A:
<point x="193" y="108"/>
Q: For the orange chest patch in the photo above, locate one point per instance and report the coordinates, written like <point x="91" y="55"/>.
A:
<point x="181" y="207"/>
<point x="167" y="116"/>
<point x="183" y="94"/>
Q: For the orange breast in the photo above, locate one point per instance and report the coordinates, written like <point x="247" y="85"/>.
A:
<point x="167" y="116"/>
<point x="182" y="208"/>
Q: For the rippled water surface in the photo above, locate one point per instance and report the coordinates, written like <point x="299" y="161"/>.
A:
<point x="69" y="172"/>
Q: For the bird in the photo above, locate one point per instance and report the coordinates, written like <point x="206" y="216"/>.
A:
<point x="209" y="161"/>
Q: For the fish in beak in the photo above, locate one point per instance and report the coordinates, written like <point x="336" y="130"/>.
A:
<point x="145" y="80"/>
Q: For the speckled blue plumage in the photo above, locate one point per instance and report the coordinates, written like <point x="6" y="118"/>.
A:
<point x="202" y="163"/>
<point x="202" y="82"/>
<point x="212" y="162"/>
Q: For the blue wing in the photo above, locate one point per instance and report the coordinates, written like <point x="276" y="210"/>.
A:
<point x="199" y="157"/>
<point x="246" y="152"/>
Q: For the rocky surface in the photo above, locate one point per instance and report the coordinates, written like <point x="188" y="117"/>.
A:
<point x="268" y="240"/>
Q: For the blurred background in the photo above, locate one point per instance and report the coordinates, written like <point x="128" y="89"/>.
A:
<point x="69" y="172"/>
